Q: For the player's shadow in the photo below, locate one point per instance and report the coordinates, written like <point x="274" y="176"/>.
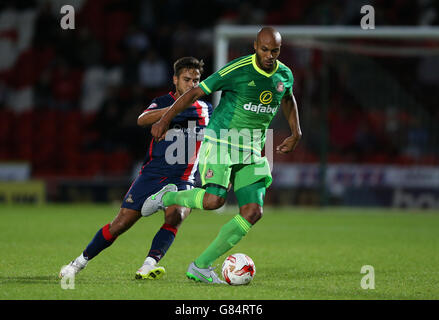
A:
<point x="47" y="279"/>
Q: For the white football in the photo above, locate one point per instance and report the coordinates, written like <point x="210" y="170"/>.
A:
<point x="238" y="269"/>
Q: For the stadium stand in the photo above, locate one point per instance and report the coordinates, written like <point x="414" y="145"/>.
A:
<point x="69" y="99"/>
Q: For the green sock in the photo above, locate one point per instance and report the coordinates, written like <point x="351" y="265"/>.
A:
<point x="187" y="198"/>
<point x="230" y="234"/>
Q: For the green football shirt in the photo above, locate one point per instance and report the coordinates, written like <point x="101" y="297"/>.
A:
<point x="249" y="101"/>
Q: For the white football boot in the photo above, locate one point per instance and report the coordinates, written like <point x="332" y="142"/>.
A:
<point x="73" y="267"/>
<point x="150" y="270"/>
<point x="154" y="202"/>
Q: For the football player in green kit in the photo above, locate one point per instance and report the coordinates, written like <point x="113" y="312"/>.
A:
<point x="253" y="87"/>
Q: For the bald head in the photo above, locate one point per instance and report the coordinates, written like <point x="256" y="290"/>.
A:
<point x="267" y="48"/>
<point x="269" y="35"/>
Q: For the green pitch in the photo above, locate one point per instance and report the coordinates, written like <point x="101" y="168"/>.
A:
<point x="299" y="254"/>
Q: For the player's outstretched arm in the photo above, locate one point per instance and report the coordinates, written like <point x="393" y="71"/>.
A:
<point x="159" y="129"/>
<point x="149" y="117"/>
<point x="289" y="108"/>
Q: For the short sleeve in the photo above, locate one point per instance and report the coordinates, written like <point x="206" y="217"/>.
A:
<point x="289" y="84"/>
<point x="154" y="105"/>
<point x="221" y="80"/>
<point x="212" y="83"/>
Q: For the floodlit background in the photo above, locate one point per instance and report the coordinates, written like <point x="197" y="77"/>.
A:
<point x="69" y="99"/>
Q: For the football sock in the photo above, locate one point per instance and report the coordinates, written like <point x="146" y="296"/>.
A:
<point x="229" y="235"/>
<point x="81" y="260"/>
<point x="102" y="239"/>
<point x="187" y="198"/>
<point x="150" y="261"/>
<point x="162" y="241"/>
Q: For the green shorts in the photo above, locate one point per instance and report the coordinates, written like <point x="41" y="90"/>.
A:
<point x="220" y="166"/>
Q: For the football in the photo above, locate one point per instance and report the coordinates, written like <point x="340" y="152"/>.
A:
<point x="238" y="269"/>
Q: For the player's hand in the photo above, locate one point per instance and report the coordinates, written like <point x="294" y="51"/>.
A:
<point x="288" y="145"/>
<point x="159" y="129"/>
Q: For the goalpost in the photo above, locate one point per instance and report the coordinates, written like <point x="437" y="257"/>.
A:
<point x="389" y="76"/>
<point x="223" y="34"/>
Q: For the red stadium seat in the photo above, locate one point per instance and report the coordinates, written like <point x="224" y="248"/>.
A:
<point x="23" y="135"/>
<point x="117" y="24"/>
<point x="377" y="158"/>
<point x="24" y="72"/>
<point x="404" y="160"/>
<point x="118" y="163"/>
<point x="70" y="163"/>
<point x="429" y="160"/>
<point x="7" y="122"/>
<point x="92" y="163"/>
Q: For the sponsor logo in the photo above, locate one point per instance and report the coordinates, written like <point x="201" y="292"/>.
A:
<point x="260" y="108"/>
<point x="152" y="106"/>
<point x="266" y="97"/>
<point x="210" y="279"/>
<point x="209" y="174"/>
<point x="280" y="86"/>
<point x="414" y="199"/>
<point x="130" y="198"/>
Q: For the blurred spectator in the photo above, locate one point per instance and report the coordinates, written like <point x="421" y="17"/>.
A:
<point x="153" y="71"/>
<point x="245" y="13"/>
<point x="65" y="86"/>
<point x="136" y="39"/>
<point x="130" y="67"/>
<point x="344" y="120"/>
<point x="88" y="51"/>
<point x="95" y="86"/>
<point x="108" y="123"/>
<point x="417" y="138"/>
<point x="120" y="48"/>
<point x="42" y="90"/>
<point x="365" y="141"/>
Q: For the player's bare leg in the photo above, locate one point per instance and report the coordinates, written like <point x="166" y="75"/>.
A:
<point x="103" y="239"/>
<point x="251" y="212"/>
<point x="174" y="216"/>
<point x="123" y="221"/>
<point x="212" y="201"/>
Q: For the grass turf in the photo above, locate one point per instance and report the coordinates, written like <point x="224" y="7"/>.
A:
<point x="300" y="253"/>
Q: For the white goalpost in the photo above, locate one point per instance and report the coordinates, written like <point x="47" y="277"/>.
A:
<point x="223" y="34"/>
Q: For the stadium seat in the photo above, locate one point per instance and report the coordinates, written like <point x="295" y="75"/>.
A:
<point x="335" y="157"/>
<point x="404" y="160"/>
<point x="429" y="160"/>
<point x="116" y="27"/>
<point x="92" y="163"/>
<point x="6" y="145"/>
<point x="377" y="121"/>
<point x="118" y="163"/>
<point x="378" y="158"/>
<point x="24" y="128"/>
<point x="7" y="119"/>
<point x="92" y="15"/>
<point x="69" y="162"/>
<point x="24" y="72"/>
